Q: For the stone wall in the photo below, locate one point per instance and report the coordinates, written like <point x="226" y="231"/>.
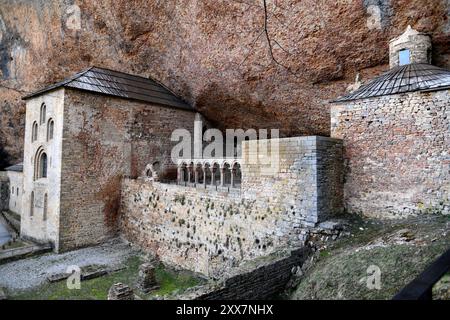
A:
<point x="104" y="139"/>
<point x="16" y="191"/>
<point x="4" y="191"/>
<point x="34" y="224"/>
<point x="209" y="230"/>
<point x="304" y="177"/>
<point x="396" y="151"/>
<point x="262" y="278"/>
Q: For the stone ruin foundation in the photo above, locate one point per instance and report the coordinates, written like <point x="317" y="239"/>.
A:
<point x="120" y="291"/>
<point x="146" y="279"/>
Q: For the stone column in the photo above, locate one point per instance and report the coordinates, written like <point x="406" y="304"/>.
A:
<point x="213" y="176"/>
<point x="204" y="175"/>
<point x="179" y="173"/>
<point x="120" y="291"/>
<point x="196" y="175"/>
<point x="222" y="177"/>
<point x="189" y="174"/>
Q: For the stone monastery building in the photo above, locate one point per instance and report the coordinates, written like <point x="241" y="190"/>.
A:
<point x="97" y="163"/>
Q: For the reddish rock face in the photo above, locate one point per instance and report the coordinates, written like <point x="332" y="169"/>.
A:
<point x="212" y="53"/>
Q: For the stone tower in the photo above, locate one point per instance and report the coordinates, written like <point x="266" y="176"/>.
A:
<point x="410" y="47"/>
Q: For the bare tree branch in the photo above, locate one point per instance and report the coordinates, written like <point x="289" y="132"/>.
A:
<point x="270" y="42"/>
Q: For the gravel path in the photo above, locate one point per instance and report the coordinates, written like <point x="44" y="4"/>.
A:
<point x="31" y="272"/>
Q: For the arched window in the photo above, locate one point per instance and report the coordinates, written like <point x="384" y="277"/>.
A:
<point x="50" y="127"/>
<point x="43" y="166"/>
<point x="40" y="164"/>
<point x="32" y="204"/>
<point x="17" y="190"/>
<point x="43" y="111"/>
<point x="34" y="131"/>
<point x="44" y="217"/>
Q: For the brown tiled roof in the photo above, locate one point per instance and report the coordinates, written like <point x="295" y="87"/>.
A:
<point x="407" y="78"/>
<point x="119" y="84"/>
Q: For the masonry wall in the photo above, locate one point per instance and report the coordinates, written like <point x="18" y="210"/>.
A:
<point x="105" y="139"/>
<point x="304" y="176"/>
<point x="33" y="224"/>
<point x="16" y="191"/>
<point x="4" y="190"/>
<point x="396" y="151"/>
<point x="261" y="278"/>
<point x="211" y="231"/>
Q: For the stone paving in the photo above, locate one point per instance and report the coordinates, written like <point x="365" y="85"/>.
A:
<point x="31" y="272"/>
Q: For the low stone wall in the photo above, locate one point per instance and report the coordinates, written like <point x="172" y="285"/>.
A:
<point x="22" y="252"/>
<point x="396" y="153"/>
<point x="262" y="278"/>
<point x="210" y="231"/>
<point x="13" y="219"/>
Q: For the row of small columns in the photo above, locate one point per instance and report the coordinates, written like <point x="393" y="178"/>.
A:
<point x="185" y="169"/>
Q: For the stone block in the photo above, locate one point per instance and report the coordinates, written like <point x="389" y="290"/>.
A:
<point x="120" y="291"/>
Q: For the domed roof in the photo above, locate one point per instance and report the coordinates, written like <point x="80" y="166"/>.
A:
<point x="401" y="79"/>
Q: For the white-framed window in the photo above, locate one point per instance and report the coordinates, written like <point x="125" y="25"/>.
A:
<point x="404" y="57"/>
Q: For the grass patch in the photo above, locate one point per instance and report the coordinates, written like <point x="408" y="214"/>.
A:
<point x="441" y="290"/>
<point x="97" y="289"/>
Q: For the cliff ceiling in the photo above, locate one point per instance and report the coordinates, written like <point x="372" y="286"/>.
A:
<point x="241" y="65"/>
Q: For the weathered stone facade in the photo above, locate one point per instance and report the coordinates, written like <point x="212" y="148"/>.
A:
<point x="209" y="231"/>
<point x="96" y="141"/>
<point x="261" y="278"/>
<point x="396" y="153"/>
<point x="16" y="191"/>
<point x="36" y="223"/>
<point x="4" y="191"/>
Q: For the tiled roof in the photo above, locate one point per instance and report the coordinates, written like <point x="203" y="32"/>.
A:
<point x="16" y="167"/>
<point x="119" y="84"/>
<point x="407" y="78"/>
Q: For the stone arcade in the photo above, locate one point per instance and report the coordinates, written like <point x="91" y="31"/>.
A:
<point x="97" y="163"/>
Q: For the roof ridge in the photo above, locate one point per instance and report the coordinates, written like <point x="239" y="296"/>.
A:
<point x="78" y="75"/>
